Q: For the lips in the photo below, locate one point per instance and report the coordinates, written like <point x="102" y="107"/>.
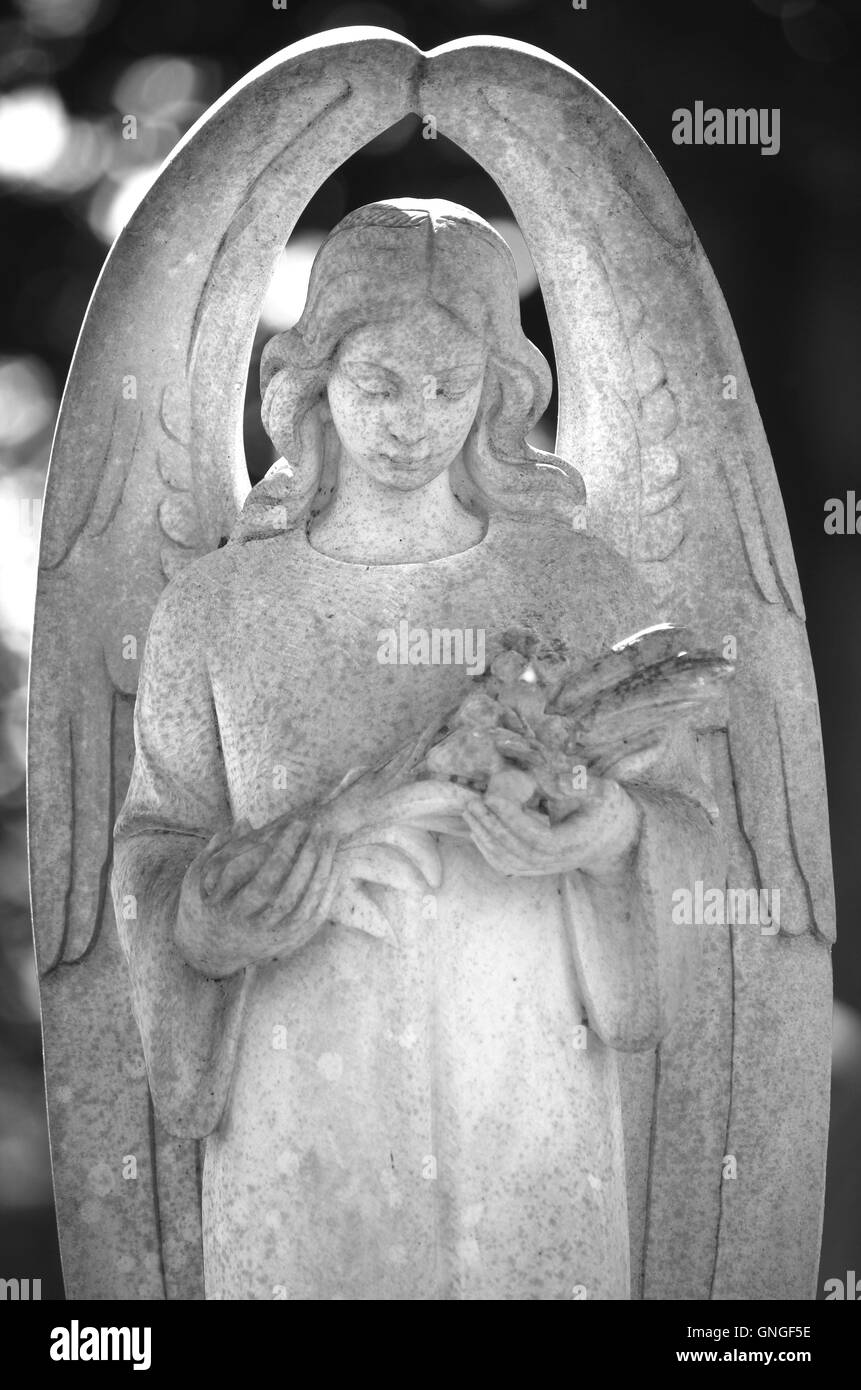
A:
<point x="405" y="460"/>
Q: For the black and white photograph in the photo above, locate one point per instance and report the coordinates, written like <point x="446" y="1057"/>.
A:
<point x="430" y="585"/>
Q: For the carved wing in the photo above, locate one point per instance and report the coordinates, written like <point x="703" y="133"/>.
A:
<point x="147" y="472"/>
<point x="657" y="412"/>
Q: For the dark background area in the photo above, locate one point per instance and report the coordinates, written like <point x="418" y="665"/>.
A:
<point x="781" y="232"/>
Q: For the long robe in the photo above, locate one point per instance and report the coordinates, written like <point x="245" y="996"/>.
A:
<point x="436" y="1116"/>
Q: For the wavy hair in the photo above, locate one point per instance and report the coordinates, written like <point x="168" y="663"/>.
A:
<point x="373" y="267"/>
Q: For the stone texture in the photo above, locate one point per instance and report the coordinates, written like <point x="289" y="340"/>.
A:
<point x="454" y="1045"/>
<point x="679" y="480"/>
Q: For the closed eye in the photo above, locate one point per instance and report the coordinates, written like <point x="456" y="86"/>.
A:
<point x="370" y="382"/>
<point x="453" y="391"/>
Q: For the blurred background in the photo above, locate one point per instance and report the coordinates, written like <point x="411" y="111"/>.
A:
<point x="93" y="96"/>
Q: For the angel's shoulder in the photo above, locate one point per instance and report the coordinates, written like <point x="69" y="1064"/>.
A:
<point x="587" y="588"/>
<point x="579" y="558"/>
<point x="609" y="583"/>
<point x="189" y="605"/>
<point x="210" y="585"/>
<point x="187" y="597"/>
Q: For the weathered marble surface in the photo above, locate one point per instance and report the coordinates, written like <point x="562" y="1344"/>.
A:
<point x="679" y="478"/>
<point x="418" y="1118"/>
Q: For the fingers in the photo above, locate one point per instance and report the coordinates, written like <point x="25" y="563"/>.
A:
<point x="310" y="908"/>
<point x="417" y="805"/>
<point x="332" y="886"/>
<point x="515" y="834"/>
<point x="238" y="871"/>
<point x="286" y="875"/>
<point x="289" y="923"/>
<point x="353" y="908"/>
<point x="526" y="827"/>
<point x="222" y="848"/>
<point x="410" y="804"/>
<point x="486" y="839"/>
<point x="417" y="847"/>
<point x="382" y="864"/>
<point x="520" y="842"/>
<point x="238" y="862"/>
<point x="278" y="864"/>
<point x="441" y="825"/>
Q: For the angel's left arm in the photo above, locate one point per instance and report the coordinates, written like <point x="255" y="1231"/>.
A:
<point x="634" y="962"/>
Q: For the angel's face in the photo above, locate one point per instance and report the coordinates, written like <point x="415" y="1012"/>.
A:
<point x="403" y="395"/>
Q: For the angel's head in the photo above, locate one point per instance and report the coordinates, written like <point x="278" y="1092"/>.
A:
<point x="410" y="357"/>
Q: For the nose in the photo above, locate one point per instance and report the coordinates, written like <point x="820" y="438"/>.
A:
<point x="406" y="422"/>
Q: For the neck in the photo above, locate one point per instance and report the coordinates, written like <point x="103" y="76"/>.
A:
<point x="369" y="522"/>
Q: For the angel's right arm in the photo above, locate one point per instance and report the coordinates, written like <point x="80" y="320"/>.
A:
<point x="177" y="800"/>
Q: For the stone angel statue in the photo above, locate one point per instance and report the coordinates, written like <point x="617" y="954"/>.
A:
<point x="318" y="1025"/>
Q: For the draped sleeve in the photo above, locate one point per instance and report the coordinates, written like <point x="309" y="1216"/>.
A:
<point x="634" y="963"/>
<point x="177" y="799"/>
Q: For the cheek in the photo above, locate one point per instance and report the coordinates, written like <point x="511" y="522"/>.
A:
<point x="352" y="415"/>
<point x="457" y="419"/>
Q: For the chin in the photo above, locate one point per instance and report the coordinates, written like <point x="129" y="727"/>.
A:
<point x="409" y="484"/>
<point x="405" y="480"/>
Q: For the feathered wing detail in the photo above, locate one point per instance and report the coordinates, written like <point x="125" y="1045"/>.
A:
<point x="147" y="473"/>
<point x="726" y="1122"/>
<point x="97" y="588"/>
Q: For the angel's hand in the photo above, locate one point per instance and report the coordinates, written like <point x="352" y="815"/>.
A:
<point x="597" y="837"/>
<point x="252" y="896"/>
<point x="375" y="798"/>
<point x="401" y="857"/>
